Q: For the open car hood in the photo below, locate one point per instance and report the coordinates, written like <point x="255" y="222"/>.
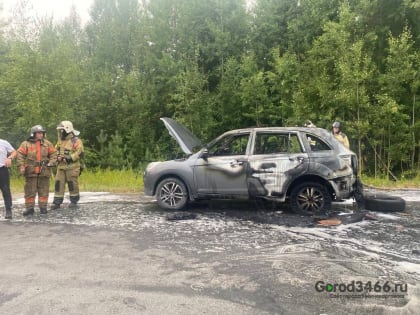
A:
<point x="187" y="141"/>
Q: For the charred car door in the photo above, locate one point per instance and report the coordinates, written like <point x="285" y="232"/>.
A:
<point x="277" y="159"/>
<point x="222" y="168"/>
<point x="334" y="167"/>
<point x="323" y="157"/>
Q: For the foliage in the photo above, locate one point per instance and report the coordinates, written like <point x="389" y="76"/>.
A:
<point x="213" y="66"/>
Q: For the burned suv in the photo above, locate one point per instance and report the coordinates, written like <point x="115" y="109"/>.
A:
<point x="305" y="166"/>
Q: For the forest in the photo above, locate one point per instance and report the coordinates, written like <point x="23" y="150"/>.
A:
<point x="216" y="65"/>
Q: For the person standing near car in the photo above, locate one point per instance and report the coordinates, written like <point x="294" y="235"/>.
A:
<point x="339" y="135"/>
<point x="7" y="154"/>
<point x="70" y="152"/>
<point x="34" y="158"/>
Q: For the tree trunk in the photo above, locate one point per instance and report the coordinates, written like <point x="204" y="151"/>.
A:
<point x="413" y="150"/>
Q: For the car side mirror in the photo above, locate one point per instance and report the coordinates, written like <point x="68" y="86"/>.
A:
<point x="205" y="154"/>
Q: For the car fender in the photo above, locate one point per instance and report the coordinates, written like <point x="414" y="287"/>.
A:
<point x="310" y="177"/>
<point x="175" y="173"/>
<point x="172" y="168"/>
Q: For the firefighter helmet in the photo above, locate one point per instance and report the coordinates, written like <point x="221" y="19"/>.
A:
<point x="336" y="124"/>
<point x="35" y="129"/>
<point x="67" y="126"/>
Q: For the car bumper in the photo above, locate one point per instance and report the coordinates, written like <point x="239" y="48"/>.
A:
<point x="148" y="185"/>
<point x="343" y="187"/>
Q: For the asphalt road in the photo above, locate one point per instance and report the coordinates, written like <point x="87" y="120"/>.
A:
<point x="120" y="254"/>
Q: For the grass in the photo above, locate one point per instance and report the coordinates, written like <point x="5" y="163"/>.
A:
<point x="131" y="181"/>
<point x="114" y="181"/>
<point x="386" y="183"/>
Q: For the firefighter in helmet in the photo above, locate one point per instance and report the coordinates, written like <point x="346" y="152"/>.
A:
<point x="70" y="152"/>
<point x="339" y="135"/>
<point x="34" y="158"/>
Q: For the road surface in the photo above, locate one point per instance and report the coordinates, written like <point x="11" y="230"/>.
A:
<point x="121" y="254"/>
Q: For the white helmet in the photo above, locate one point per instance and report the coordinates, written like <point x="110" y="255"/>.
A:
<point x="67" y="126"/>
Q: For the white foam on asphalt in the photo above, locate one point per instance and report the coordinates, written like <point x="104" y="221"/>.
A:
<point x="387" y="216"/>
<point x="87" y="197"/>
<point x="333" y="240"/>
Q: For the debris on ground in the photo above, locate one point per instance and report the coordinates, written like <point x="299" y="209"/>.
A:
<point x="180" y="216"/>
<point x="346" y="219"/>
<point x="330" y="222"/>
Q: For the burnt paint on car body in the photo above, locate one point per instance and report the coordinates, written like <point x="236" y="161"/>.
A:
<point x="237" y="164"/>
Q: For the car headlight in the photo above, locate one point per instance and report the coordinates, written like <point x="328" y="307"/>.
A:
<point x="346" y="159"/>
<point x="351" y="161"/>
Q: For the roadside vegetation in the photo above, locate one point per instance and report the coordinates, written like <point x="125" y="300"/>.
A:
<point x="114" y="181"/>
<point x="214" y="66"/>
<point x="386" y="183"/>
<point x="131" y="181"/>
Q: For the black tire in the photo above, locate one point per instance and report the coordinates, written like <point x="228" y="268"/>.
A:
<point x="384" y="203"/>
<point x="172" y="194"/>
<point x="310" y="199"/>
<point x="358" y="194"/>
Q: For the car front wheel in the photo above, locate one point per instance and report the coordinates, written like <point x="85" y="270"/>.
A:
<point x="310" y="199"/>
<point x="172" y="194"/>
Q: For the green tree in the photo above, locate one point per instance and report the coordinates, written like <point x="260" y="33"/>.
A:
<point x="189" y="99"/>
<point x="255" y="103"/>
<point x="401" y="83"/>
<point x="282" y="83"/>
<point x="44" y="79"/>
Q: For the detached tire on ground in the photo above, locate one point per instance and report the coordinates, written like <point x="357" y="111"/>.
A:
<point x="384" y="203"/>
<point x="172" y="194"/>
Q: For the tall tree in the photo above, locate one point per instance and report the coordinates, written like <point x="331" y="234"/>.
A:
<point x="401" y="83"/>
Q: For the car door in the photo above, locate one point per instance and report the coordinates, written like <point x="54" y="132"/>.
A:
<point x="323" y="157"/>
<point x="277" y="158"/>
<point x="223" y="169"/>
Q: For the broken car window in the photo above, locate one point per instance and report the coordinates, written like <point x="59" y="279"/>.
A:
<point x="230" y="145"/>
<point x="275" y="143"/>
<point x="316" y="144"/>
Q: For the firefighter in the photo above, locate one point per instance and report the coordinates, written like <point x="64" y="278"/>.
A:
<point x="70" y="153"/>
<point x="34" y="158"/>
<point x="339" y="135"/>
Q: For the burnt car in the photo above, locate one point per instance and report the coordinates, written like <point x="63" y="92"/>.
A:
<point x="305" y="166"/>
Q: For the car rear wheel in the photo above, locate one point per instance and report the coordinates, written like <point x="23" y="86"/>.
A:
<point x="310" y="199"/>
<point x="172" y="194"/>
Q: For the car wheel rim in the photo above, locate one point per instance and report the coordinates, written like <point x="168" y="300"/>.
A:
<point x="310" y="200"/>
<point x="171" y="194"/>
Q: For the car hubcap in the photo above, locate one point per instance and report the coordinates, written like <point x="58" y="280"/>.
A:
<point x="171" y="194"/>
<point x="310" y="199"/>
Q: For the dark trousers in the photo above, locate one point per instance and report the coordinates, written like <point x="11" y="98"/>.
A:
<point x="5" y="187"/>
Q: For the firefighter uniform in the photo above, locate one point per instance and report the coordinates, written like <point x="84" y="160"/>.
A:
<point x="340" y="136"/>
<point x="343" y="139"/>
<point x="34" y="156"/>
<point x="70" y="152"/>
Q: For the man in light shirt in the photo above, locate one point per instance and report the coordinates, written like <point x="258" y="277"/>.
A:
<point x="7" y="155"/>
